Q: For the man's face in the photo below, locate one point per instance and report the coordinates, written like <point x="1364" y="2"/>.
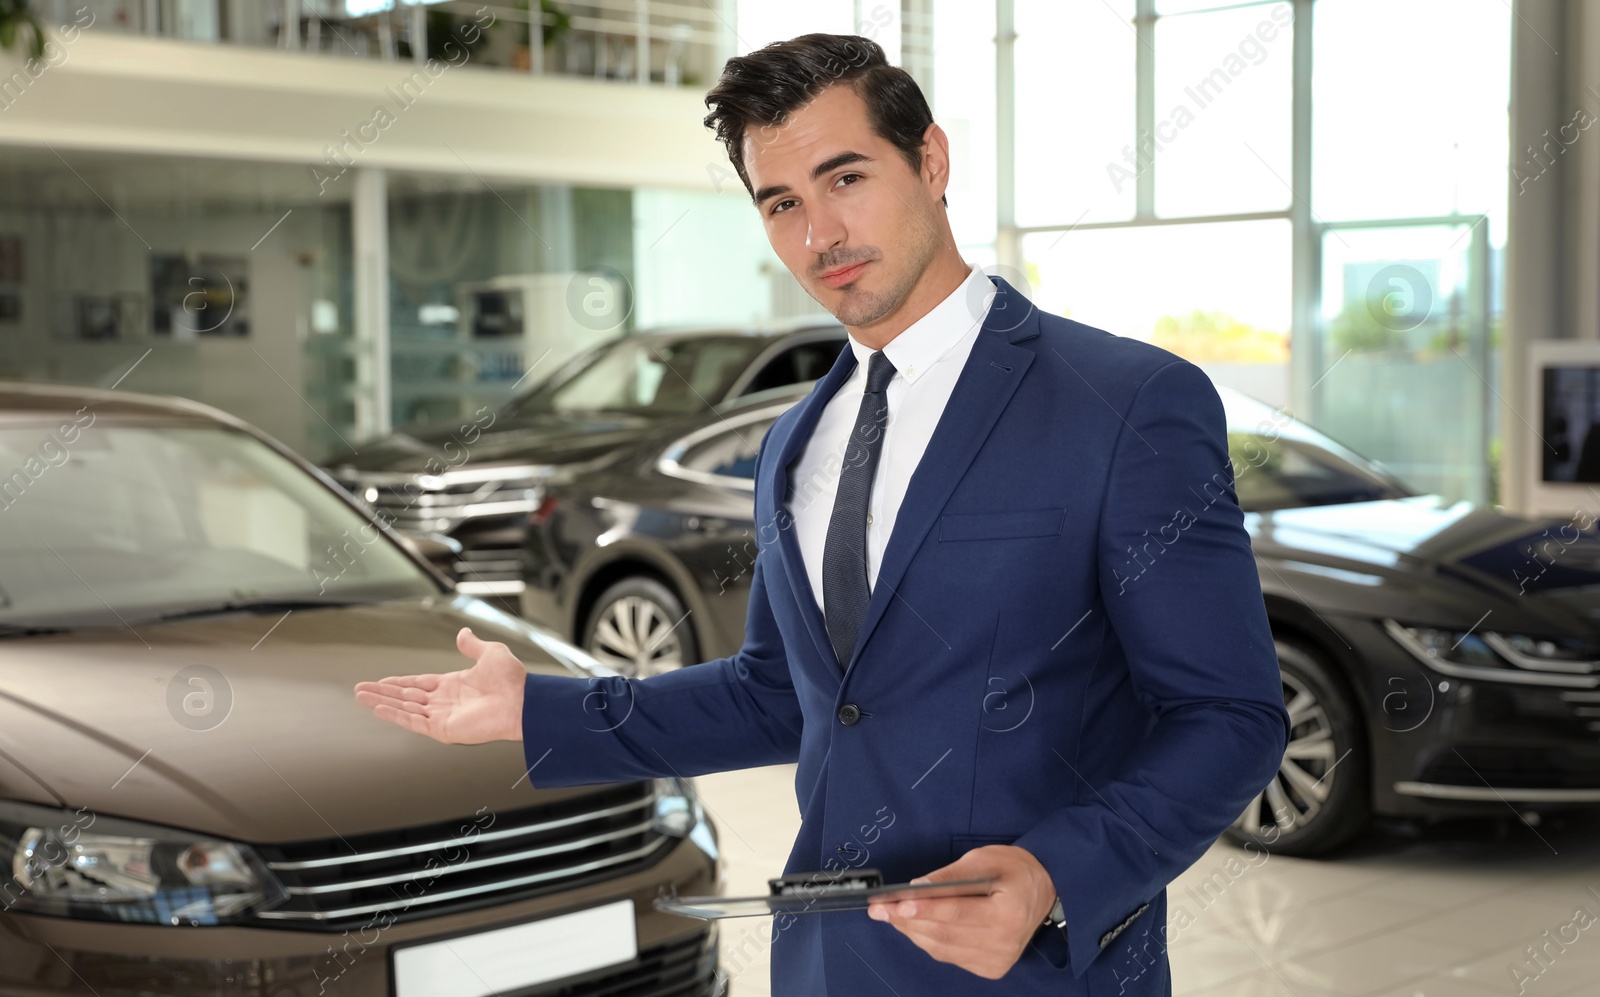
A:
<point x="842" y="207"/>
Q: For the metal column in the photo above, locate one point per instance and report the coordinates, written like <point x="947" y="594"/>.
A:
<point x="369" y="236"/>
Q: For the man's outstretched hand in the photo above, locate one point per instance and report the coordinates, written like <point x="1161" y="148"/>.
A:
<point x="472" y="706"/>
<point x="983" y="935"/>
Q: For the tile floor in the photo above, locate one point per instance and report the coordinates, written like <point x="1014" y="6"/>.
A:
<point x="1449" y="912"/>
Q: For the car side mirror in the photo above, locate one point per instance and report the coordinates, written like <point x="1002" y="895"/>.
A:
<point x="437" y="549"/>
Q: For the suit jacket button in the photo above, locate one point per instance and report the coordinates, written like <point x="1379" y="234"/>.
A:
<point x="849" y="713"/>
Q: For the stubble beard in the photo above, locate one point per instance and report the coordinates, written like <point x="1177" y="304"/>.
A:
<point x="857" y="307"/>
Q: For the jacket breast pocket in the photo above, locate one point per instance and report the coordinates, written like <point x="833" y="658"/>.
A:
<point x="1001" y="525"/>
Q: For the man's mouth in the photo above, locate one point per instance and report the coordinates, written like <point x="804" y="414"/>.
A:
<point x="844" y="275"/>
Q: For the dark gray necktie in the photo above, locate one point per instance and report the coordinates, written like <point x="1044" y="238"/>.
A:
<point x="844" y="556"/>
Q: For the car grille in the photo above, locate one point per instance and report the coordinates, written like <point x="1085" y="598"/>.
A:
<point x="486" y="510"/>
<point x="1510" y="767"/>
<point x="489" y="570"/>
<point x="440" y="503"/>
<point x="685" y="968"/>
<point x="446" y="867"/>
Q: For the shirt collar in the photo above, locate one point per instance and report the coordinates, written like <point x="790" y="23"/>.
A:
<point x="930" y="337"/>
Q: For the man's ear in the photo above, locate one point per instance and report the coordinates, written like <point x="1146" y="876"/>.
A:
<point x="936" y="160"/>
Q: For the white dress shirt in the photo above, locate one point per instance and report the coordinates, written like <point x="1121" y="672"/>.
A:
<point x="928" y="357"/>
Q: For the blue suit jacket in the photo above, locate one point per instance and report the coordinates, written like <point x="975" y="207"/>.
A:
<point x="1066" y="649"/>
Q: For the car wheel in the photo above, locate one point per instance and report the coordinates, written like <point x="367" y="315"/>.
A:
<point x="638" y="627"/>
<point x="1321" y="795"/>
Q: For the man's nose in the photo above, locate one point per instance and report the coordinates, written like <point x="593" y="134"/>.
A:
<point x="824" y="229"/>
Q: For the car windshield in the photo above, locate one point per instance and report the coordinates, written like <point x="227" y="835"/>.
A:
<point x="1281" y="463"/>
<point x="645" y="375"/>
<point x="133" y="521"/>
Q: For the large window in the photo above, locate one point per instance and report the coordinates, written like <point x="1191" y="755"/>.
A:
<point x="963" y="105"/>
<point x="1215" y="293"/>
<point x="1410" y="192"/>
<point x="1411" y="120"/>
<point x="1071" y="163"/>
<point x="1305" y="197"/>
<point x="1223" y="83"/>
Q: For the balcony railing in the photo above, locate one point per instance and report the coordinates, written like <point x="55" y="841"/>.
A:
<point x="669" y="42"/>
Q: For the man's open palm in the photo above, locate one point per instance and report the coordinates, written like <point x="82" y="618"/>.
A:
<point x="472" y="706"/>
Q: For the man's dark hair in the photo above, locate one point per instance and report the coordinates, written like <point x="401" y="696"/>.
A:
<point x="763" y="88"/>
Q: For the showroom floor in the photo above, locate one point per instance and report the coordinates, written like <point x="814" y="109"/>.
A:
<point x="1446" y="913"/>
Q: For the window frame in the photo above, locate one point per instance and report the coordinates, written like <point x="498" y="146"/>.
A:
<point x="669" y="462"/>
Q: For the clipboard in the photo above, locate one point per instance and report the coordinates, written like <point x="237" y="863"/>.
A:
<point x="817" y="893"/>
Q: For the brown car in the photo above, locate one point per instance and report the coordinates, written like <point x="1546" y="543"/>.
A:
<point x="192" y="803"/>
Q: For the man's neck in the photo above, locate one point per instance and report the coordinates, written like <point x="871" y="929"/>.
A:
<point x="942" y="277"/>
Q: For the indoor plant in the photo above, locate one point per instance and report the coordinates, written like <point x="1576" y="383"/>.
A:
<point x="17" y="19"/>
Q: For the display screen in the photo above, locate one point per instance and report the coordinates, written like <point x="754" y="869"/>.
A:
<point x="1570" y="410"/>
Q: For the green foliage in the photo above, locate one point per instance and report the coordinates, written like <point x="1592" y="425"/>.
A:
<point x="560" y="22"/>
<point x="1220" y="338"/>
<point x="1356" y="328"/>
<point x="18" y="20"/>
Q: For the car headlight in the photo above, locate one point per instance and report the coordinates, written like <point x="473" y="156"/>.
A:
<point x="679" y="814"/>
<point x="82" y="865"/>
<point x="1488" y="654"/>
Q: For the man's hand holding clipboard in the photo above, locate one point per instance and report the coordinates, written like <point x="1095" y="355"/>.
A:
<point x="984" y="934"/>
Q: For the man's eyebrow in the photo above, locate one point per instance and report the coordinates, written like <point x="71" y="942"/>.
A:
<point x="821" y="169"/>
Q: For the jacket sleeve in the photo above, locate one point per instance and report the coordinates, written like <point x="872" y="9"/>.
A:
<point x="734" y="712"/>
<point x="1199" y="651"/>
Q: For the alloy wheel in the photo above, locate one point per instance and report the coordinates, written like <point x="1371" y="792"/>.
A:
<point x="636" y="638"/>
<point x="1305" y="777"/>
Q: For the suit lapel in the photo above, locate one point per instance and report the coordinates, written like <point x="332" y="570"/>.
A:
<point x="809" y="411"/>
<point x="992" y="373"/>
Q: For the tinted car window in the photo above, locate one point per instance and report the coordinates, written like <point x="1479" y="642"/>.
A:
<point x="1282" y="463"/>
<point x="645" y="375"/>
<point x="131" y="521"/>
<point x="805" y="362"/>
<point x="730" y="454"/>
<point x="1280" y="472"/>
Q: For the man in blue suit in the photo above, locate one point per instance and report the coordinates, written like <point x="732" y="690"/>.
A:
<point x="1005" y="617"/>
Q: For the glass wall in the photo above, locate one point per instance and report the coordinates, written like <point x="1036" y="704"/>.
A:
<point x="1187" y="174"/>
<point x="963" y="99"/>
<point x="1160" y="209"/>
<point x="198" y="278"/>
<point x="1402" y="340"/>
<point x="234" y="284"/>
<point x="1410" y="193"/>
<point x="1064" y="147"/>
<point x="1219" y="293"/>
<point x="480" y="277"/>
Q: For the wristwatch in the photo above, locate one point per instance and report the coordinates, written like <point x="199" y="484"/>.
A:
<point x="1057" y="917"/>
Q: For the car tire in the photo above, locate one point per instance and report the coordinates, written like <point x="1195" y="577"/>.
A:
<point x="1321" y="795"/>
<point x="639" y="627"/>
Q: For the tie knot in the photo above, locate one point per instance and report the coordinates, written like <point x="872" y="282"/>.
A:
<point x="879" y="372"/>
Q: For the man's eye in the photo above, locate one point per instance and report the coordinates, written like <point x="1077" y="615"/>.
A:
<point x="852" y="177"/>
<point x="782" y="206"/>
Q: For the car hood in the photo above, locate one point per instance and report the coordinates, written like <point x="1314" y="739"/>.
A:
<point x="1435" y="560"/>
<point x="546" y="439"/>
<point x="94" y="718"/>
